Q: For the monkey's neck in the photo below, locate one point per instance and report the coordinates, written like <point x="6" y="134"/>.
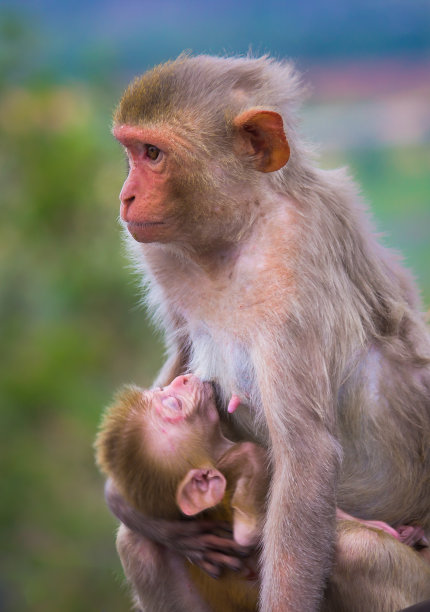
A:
<point x="213" y="259"/>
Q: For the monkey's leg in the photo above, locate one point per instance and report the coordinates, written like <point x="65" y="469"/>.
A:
<point x="412" y="535"/>
<point x="160" y="580"/>
<point x="341" y="515"/>
<point x="374" y="572"/>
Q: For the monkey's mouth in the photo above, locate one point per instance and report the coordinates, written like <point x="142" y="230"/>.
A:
<point x="143" y="224"/>
<point x="144" y="231"/>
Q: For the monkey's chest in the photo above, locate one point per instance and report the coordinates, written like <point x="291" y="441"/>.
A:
<point x="224" y="316"/>
<point x="246" y="293"/>
<point x="227" y="312"/>
<point x="223" y="358"/>
<point x="222" y="355"/>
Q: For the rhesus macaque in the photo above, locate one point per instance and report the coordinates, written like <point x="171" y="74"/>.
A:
<point x="264" y="274"/>
<point x="165" y="451"/>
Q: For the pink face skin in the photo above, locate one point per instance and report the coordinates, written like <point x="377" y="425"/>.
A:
<point x="186" y="397"/>
<point x="186" y="405"/>
<point x="145" y="196"/>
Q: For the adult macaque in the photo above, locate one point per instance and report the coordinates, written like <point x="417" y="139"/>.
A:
<point x="165" y="451"/>
<point x="265" y="276"/>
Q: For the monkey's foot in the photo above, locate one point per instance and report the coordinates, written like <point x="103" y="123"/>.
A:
<point x="412" y="535"/>
<point x="341" y="515"/>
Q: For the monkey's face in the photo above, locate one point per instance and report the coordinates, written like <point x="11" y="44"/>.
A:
<point x="149" y="207"/>
<point x="190" y="162"/>
<point x="187" y="398"/>
<point x="180" y="422"/>
<point x="180" y="417"/>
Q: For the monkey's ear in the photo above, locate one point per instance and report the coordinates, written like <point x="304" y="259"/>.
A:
<point x="199" y="490"/>
<point x="260" y="135"/>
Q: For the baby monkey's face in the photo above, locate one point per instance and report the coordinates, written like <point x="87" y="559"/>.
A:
<point x="180" y="418"/>
<point x="187" y="398"/>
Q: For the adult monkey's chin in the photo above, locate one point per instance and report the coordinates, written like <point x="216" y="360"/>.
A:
<point x="151" y="231"/>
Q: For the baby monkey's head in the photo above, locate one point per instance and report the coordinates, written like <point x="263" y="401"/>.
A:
<point x="149" y="440"/>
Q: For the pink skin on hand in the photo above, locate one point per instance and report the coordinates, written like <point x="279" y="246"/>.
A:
<point x="234" y="402"/>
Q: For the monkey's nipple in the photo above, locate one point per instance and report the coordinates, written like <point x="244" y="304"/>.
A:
<point x="234" y="402"/>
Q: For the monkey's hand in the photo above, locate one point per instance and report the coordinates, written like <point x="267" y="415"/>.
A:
<point x="208" y="544"/>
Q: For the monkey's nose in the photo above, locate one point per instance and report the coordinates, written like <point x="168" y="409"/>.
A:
<point x="182" y="381"/>
<point x="127" y="197"/>
<point x="127" y="201"/>
<point x="125" y="206"/>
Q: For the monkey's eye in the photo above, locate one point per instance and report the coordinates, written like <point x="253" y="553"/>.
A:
<point x="153" y="152"/>
<point x="172" y="402"/>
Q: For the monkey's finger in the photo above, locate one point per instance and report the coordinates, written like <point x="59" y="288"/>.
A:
<point x="220" y="559"/>
<point x="214" y="571"/>
<point x="197" y="545"/>
<point x="209" y="527"/>
<point x="224" y="526"/>
<point x="228" y="545"/>
<point x="223" y="529"/>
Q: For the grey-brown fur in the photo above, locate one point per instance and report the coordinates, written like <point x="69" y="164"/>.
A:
<point x="279" y="291"/>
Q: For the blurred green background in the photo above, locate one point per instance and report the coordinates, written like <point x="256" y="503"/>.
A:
<point x="71" y="329"/>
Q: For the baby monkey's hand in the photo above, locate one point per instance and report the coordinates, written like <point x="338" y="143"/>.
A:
<point x="207" y="544"/>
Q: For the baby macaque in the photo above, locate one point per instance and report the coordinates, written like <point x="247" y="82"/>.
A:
<point x="168" y="456"/>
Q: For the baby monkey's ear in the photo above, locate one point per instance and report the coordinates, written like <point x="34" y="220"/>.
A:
<point x="200" y="489"/>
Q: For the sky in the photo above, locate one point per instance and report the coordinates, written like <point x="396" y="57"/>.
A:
<point x="85" y="39"/>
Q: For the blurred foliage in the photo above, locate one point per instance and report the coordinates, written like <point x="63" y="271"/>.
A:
<point x="396" y="184"/>
<point x="71" y="334"/>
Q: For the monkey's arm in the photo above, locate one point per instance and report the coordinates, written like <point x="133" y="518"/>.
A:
<point x="299" y="531"/>
<point x="298" y="535"/>
<point x="205" y="543"/>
